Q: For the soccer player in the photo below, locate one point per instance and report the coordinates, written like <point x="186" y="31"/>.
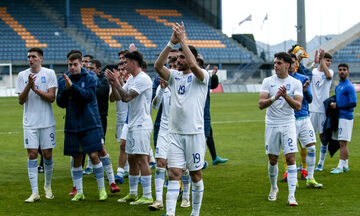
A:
<point x="304" y="129"/>
<point x="320" y="87"/>
<point x="86" y="61"/>
<point x="163" y="97"/>
<point x="345" y="103"/>
<point x="137" y="93"/>
<point x="121" y="114"/>
<point x="102" y="97"/>
<point x="281" y="94"/>
<point x="36" y="87"/>
<point x="83" y="129"/>
<point x="188" y="87"/>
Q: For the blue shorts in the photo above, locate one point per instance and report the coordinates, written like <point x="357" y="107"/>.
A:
<point x="83" y="142"/>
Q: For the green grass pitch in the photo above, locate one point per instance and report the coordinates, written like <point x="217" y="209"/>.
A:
<point x="239" y="187"/>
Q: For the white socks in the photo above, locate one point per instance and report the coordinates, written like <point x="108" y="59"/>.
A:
<point x="197" y="195"/>
<point x="133" y="184"/>
<point x="310" y="161"/>
<point x="33" y="175"/>
<point x="99" y="175"/>
<point x="171" y="196"/>
<point x="77" y="178"/>
<point x="292" y="179"/>
<point x="159" y="182"/>
<point x="48" y="168"/>
<point x="273" y="175"/>
<point x="106" y="162"/>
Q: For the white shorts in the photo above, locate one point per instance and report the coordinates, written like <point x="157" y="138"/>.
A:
<point x="43" y="137"/>
<point x="162" y="144"/>
<point x="305" y="132"/>
<point x="283" y="136"/>
<point x="124" y="132"/>
<point x="138" y="142"/>
<point x="344" y="131"/>
<point x="186" y="150"/>
<point x="317" y="121"/>
<point x="118" y="132"/>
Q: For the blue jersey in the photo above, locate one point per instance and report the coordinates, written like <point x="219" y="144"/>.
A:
<point x="307" y="96"/>
<point x="345" y="99"/>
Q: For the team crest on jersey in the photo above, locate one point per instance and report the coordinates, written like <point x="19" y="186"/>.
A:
<point x="323" y="76"/>
<point x="288" y="87"/>
<point x="43" y="79"/>
<point x="189" y="79"/>
<point x="82" y="84"/>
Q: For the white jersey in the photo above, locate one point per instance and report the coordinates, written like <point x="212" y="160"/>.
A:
<point x="37" y="112"/>
<point x="165" y="101"/>
<point x="139" y="107"/>
<point x="320" y="89"/>
<point x="188" y="96"/>
<point x="280" y="112"/>
<point x="121" y="112"/>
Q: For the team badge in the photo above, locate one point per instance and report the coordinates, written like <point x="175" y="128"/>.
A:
<point x="82" y="84"/>
<point x="189" y="79"/>
<point x="288" y="87"/>
<point x="43" y="79"/>
<point x="323" y="76"/>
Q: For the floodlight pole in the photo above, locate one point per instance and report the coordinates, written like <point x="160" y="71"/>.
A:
<point x="301" y="27"/>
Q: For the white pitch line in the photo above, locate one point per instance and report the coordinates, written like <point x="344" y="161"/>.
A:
<point x="239" y="121"/>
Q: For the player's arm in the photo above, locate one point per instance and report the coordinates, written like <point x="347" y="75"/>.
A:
<point x="323" y="66"/>
<point x="48" y="96"/>
<point x="63" y="94"/>
<point x="190" y="58"/>
<point x="160" y="61"/>
<point x="158" y="99"/>
<point x="351" y="102"/>
<point x="307" y="91"/>
<point x="264" y="101"/>
<point x="126" y="96"/>
<point x="295" y="102"/>
<point x="25" y="93"/>
<point x="214" y="78"/>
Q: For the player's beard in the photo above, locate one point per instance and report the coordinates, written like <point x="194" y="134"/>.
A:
<point x="182" y="67"/>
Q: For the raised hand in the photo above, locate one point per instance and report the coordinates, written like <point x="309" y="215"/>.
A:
<point x="68" y="82"/>
<point x="215" y="70"/>
<point x="281" y="92"/>
<point x="31" y="80"/>
<point x="179" y="31"/>
<point x="132" y="47"/>
<point x="322" y="54"/>
<point x="317" y="58"/>
<point x="306" y="85"/>
<point x="113" y="77"/>
<point x="163" y="83"/>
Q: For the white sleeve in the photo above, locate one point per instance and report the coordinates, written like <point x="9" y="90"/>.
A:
<point x="20" y="85"/>
<point x="52" y="79"/>
<point x="141" y="84"/>
<point x="172" y="75"/>
<point x="206" y="77"/>
<point x="158" y="97"/>
<point x="331" y="72"/>
<point x="265" y="86"/>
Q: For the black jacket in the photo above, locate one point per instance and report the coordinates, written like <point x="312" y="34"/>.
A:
<point x="331" y="125"/>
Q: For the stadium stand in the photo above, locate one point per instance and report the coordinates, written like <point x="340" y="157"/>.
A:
<point x="22" y="27"/>
<point x="112" y="26"/>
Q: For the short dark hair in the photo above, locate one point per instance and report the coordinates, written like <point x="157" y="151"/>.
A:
<point x="123" y="52"/>
<point x="72" y="52"/>
<point x="121" y="63"/>
<point x="90" y="56"/>
<point x="96" y="62"/>
<point x="200" y="62"/>
<point x="173" y="50"/>
<point x="39" y="51"/>
<point x="192" y="49"/>
<point x="144" y="65"/>
<point x="74" y="56"/>
<point x="284" y="56"/>
<point x="344" y="65"/>
<point x="328" y="55"/>
<point x="136" y="56"/>
<point x="293" y="56"/>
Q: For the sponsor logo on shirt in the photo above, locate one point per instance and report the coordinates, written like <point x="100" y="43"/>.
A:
<point x="177" y="78"/>
<point x="272" y="86"/>
<point x="189" y="79"/>
<point x="43" y="79"/>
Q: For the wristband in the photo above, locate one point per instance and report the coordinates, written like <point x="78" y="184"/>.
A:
<point x="273" y="99"/>
<point x="170" y="44"/>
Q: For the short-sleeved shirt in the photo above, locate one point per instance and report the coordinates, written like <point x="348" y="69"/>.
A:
<point x="139" y="107"/>
<point x="345" y="99"/>
<point x="37" y="112"/>
<point x="280" y="112"/>
<point x="320" y="87"/>
<point x="121" y="112"/>
<point x="166" y="102"/>
<point x="188" y="95"/>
